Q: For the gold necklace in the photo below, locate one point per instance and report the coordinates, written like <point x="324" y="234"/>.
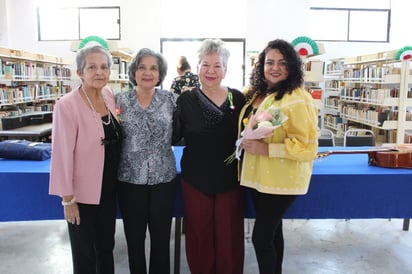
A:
<point x="94" y="115"/>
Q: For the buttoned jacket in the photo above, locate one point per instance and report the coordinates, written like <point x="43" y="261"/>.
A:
<point x="77" y="152"/>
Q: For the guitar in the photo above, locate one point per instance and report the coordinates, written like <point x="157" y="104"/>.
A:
<point x="397" y="156"/>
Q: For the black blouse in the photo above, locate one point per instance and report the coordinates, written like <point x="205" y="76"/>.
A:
<point x="112" y="144"/>
<point x="210" y="134"/>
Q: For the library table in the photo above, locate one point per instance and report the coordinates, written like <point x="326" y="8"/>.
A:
<point x="342" y="187"/>
<point x="31" y="132"/>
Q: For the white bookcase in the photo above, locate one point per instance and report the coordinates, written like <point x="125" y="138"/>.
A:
<point x="31" y="82"/>
<point x="373" y="92"/>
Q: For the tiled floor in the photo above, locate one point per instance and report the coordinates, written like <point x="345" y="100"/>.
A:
<point x="311" y="247"/>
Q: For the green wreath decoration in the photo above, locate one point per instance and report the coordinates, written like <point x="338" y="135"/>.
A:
<point x="94" y="39"/>
<point x="305" y="46"/>
<point x="404" y="53"/>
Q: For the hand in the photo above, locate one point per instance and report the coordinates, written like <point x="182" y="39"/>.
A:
<point x="256" y="147"/>
<point x="186" y="88"/>
<point x="71" y="214"/>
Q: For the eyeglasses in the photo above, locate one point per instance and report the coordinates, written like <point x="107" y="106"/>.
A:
<point x="280" y="63"/>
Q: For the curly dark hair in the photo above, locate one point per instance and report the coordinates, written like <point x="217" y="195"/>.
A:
<point x="258" y="83"/>
<point x="145" y="52"/>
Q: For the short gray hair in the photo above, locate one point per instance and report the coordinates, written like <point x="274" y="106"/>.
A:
<point x="145" y="52"/>
<point x="210" y="46"/>
<point x="86" y="51"/>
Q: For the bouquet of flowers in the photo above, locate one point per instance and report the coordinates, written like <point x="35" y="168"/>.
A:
<point x="260" y="125"/>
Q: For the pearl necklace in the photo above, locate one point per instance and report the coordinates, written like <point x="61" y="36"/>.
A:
<point x="94" y="115"/>
<point x="94" y="111"/>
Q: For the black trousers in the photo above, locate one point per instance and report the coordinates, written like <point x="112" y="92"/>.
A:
<point x="92" y="241"/>
<point x="147" y="207"/>
<point x="267" y="235"/>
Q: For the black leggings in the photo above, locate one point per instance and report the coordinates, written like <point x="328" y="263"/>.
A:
<point x="267" y="234"/>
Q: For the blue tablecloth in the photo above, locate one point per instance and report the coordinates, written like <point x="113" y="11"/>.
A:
<point x="342" y="187"/>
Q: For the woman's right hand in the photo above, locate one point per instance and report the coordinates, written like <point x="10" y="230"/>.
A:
<point x="256" y="147"/>
<point x="72" y="214"/>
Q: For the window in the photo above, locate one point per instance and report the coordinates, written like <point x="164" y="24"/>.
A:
<point x="350" y="21"/>
<point x="79" y="23"/>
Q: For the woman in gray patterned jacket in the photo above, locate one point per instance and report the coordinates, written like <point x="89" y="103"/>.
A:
<point x="147" y="165"/>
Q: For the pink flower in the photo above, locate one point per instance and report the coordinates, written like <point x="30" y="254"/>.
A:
<point x="263" y="116"/>
<point x="119" y="113"/>
<point x="261" y="125"/>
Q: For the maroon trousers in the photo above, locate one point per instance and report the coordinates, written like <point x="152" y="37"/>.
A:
<point x="214" y="230"/>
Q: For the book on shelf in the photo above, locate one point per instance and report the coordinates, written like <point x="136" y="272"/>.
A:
<point x="408" y="137"/>
<point x="8" y="71"/>
<point x="123" y="70"/>
<point x="115" y="71"/>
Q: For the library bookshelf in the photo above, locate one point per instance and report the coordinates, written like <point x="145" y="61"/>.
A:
<point x="30" y="82"/>
<point x="313" y="77"/>
<point x="372" y="92"/>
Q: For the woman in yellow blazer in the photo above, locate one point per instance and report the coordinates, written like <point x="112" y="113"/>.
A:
<point x="279" y="167"/>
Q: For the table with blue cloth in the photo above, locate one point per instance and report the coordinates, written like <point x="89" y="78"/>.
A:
<point x="343" y="186"/>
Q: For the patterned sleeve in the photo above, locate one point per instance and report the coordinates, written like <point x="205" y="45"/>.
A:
<point x="174" y="87"/>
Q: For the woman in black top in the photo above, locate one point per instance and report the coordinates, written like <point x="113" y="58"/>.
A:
<point x="213" y="200"/>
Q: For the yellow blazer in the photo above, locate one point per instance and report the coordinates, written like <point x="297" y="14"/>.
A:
<point x="292" y="148"/>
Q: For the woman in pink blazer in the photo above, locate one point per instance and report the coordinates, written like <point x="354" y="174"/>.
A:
<point x="86" y="145"/>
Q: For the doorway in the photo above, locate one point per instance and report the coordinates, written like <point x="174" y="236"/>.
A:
<point x="172" y="48"/>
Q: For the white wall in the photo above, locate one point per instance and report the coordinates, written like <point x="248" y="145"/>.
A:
<point x="140" y="24"/>
<point x="3" y="23"/>
<point x="21" y="29"/>
<point x="212" y="18"/>
<point x="145" y="22"/>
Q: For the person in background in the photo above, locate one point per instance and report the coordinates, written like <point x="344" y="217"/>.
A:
<point x="147" y="165"/>
<point x="186" y="79"/>
<point x="278" y="168"/>
<point x="213" y="201"/>
<point x="86" y="146"/>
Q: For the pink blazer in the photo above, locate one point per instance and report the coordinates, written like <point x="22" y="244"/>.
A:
<point x="77" y="154"/>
